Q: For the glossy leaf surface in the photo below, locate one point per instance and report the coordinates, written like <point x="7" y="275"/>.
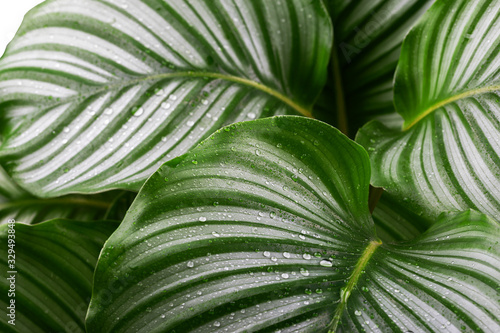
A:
<point x="97" y="95"/>
<point x="54" y="263"/>
<point x="265" y="226"/>
<point x="447" y="157"/>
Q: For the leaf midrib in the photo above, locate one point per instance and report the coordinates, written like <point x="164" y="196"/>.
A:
<point x="353" y="280"/>
<point x="305" y="111"/>
<point x="448" y="101"/>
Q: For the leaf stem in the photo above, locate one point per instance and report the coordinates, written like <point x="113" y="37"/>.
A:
<point x="353" y="280"/>
<point x="342" y="122"/>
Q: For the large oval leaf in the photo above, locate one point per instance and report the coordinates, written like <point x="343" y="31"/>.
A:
<point x="368" y="38"/>
<point x="52" y="265"/>
<point x="98" y="94"/>
<point x="265" y="227"/>
<point x="447" y="157"/>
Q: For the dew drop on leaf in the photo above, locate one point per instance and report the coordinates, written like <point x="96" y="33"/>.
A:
<point x="138" y="112"/>
<point x="326" y="263"/>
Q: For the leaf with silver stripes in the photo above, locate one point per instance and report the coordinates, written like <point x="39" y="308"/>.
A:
<point x="447" y="88"/>
<point x="367" y="44"/>
<point x="265" y="227"/>
<point x="97" y="94"/>
<point x="18" y="205"/>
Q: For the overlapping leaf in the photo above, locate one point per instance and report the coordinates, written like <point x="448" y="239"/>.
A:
<point x="395" y="220"/>
<point x="53" y="265"/>
<point x="368" y="37"/>
<point x="97" y="94"/>
<point x="447" y="157"/>
<point x="444" y="281"/>
<point x="17" y="204"/>
<point x="265" y="226"/>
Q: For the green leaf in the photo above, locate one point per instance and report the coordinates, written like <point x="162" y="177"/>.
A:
<point x="8" y="188"/>
<point x="447" y="280"/>
<point x="53" y="268"/>
<point x="19" y="205"/>
<point x="265" y="227"/>
<point x="447" y="89"/>
<point x="395" y="221"/>
<point x="98" y="94"/>
<point x="368" y="38"/>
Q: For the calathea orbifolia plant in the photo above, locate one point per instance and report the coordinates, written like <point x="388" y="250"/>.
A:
<point x="243" y="224"/>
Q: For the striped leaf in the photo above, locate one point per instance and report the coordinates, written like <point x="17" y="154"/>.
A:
<point x="265" y="227"/>
<point x="52" y="268"/>
<point x="97" y="94"/>
<point x="447" y="88"/>
<point x="19" y="205"/>
<point x="368" y="37"/>
<point x="396" y="221"/>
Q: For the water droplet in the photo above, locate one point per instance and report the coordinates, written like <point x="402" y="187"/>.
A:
<point x="304" y="272"/>
<point x="272" y="215"/>
<point x="172" y="97"/>
<point x="251" y="115"/>
<point x="274" y="259"/>
<point x="326" y="263"/>
<point x="164" y="138"/>
<point x="190" y="123"/>
<point x="306" y="256"/>
<point x="190" y="264"/>
<point x="357" y="313"/>
<point x="215" y="234"/>
<point x="258" y="152"/>
<point x="165" y="105"/>
<point x="316" y="142"/>
<point x="202" y="219"/>
<point x="267" y="254"/>
<point x="138" y="112"/>
<point x="108" y="111"/>
<point x="217" y="324"/>
<point x="66" y="129"/>
<point x="204" y="102"/>
<point x="302" y="237"/>
<point x="285" y="276"/>
<point x="159" y="92"/>
<point x="194" y="162"/>
<point x="286" y="254"/>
